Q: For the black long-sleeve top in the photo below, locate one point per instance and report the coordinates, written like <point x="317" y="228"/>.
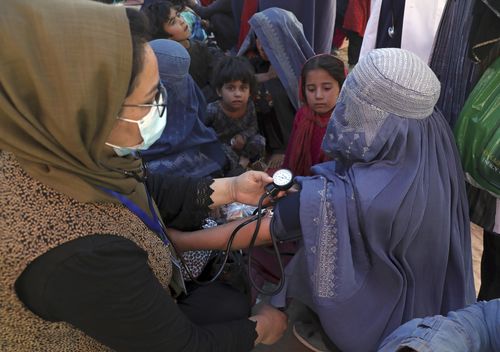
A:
<point x="102" y="285"/>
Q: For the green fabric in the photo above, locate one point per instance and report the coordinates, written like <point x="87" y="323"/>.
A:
<point x="64" y="73"/>
<point x="478" y="132"/>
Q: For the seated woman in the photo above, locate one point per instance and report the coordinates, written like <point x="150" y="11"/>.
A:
<point x="277" y="49"/>
<point x="385" y="226"/>
<point x="86" y="264"/>
<point x="186" y="147"/>
<point x="166" y="22"/>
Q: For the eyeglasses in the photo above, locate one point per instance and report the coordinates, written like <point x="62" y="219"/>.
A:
<point x="162" y="93"/>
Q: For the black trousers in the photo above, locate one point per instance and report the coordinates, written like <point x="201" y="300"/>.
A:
<point x="214" y="303"/>
<point x="490" y="267"/>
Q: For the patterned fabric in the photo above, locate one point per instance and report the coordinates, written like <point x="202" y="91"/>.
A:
<point x="450" y="55"/>
<point x="56" y="118"/>
<point x="194" y="23"/>
<point x="353" y="132"/>
<point x="35" y="219"/>
<point x="197" y="260"/>
<point x="385" y="224"/>
<point x="246" y="126"/>
<point x="282" y="38"/>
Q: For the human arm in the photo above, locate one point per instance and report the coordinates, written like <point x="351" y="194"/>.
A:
<point x="266" y="76"/>
<point x="184" y="202"/>
<point x="284" y="225"/>
<point x="218" y="6"/>
<point x="103" y="285"/>
<point x="472" y="329"/>
<point x="246" y="188"/>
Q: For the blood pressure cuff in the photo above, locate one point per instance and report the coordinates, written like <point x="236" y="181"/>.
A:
<point x="285" y="224"/>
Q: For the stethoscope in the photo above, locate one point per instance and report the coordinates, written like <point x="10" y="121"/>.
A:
<point x="282" y="181"/>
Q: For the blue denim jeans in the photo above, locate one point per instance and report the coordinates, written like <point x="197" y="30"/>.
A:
<point x="475" y="328"/>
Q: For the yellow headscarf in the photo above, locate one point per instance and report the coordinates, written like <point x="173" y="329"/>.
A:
<point x="64" y="73"/>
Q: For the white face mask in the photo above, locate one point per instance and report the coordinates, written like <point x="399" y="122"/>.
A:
<point x="151" y="127"/>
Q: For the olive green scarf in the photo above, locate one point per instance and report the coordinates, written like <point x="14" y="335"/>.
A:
<point x="64" y="73"/>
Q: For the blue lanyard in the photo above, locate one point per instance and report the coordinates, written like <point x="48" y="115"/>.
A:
<point x="152" y="222"/>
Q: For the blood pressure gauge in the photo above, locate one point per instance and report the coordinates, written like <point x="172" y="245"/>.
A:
<point x="282" y="180"/>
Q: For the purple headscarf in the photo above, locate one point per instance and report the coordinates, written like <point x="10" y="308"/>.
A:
<point x="385" y="225"/>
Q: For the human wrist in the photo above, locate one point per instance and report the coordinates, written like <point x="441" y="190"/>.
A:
<point x="232" y="189"/>
<point x="224" y="191"/>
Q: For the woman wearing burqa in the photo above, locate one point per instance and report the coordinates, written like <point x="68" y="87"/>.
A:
<point x="85" y="263"/>
<point x="385" y="224"/>
<point x="277" y="49"/>
<point x="186" y="147"/>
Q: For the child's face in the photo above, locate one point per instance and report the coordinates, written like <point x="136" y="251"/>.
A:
<point x="322" y="91"/>
<point x="176" y="27"/>
<point x="235" y="95"/>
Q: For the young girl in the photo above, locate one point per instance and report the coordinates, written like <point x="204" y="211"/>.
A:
<point x="233" y="116"/>
<point x="321" y="79"/>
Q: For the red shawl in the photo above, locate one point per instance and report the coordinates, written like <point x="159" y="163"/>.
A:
<point x="356" y="16"/>
<point x="250" y="7"/>
<point x="304" y="146"/>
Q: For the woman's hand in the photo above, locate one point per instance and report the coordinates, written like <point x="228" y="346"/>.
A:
<point x="247" y="188"/>
<point x="271" y="324"/>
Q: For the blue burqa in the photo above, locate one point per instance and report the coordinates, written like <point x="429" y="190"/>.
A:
<point x="282" y="38"/>
<point x="186" y="147"/>
<point x="385" y="224"/>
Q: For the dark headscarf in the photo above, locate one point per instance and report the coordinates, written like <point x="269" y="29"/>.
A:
<point x="64" y="73"/>
<point x="385" y="225"/>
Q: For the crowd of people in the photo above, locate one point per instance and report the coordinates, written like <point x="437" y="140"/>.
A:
<point x="128" y="130"/>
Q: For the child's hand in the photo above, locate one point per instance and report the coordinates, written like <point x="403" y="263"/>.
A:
<point x="238" y="142"/>
<point x="271" y="73"/>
